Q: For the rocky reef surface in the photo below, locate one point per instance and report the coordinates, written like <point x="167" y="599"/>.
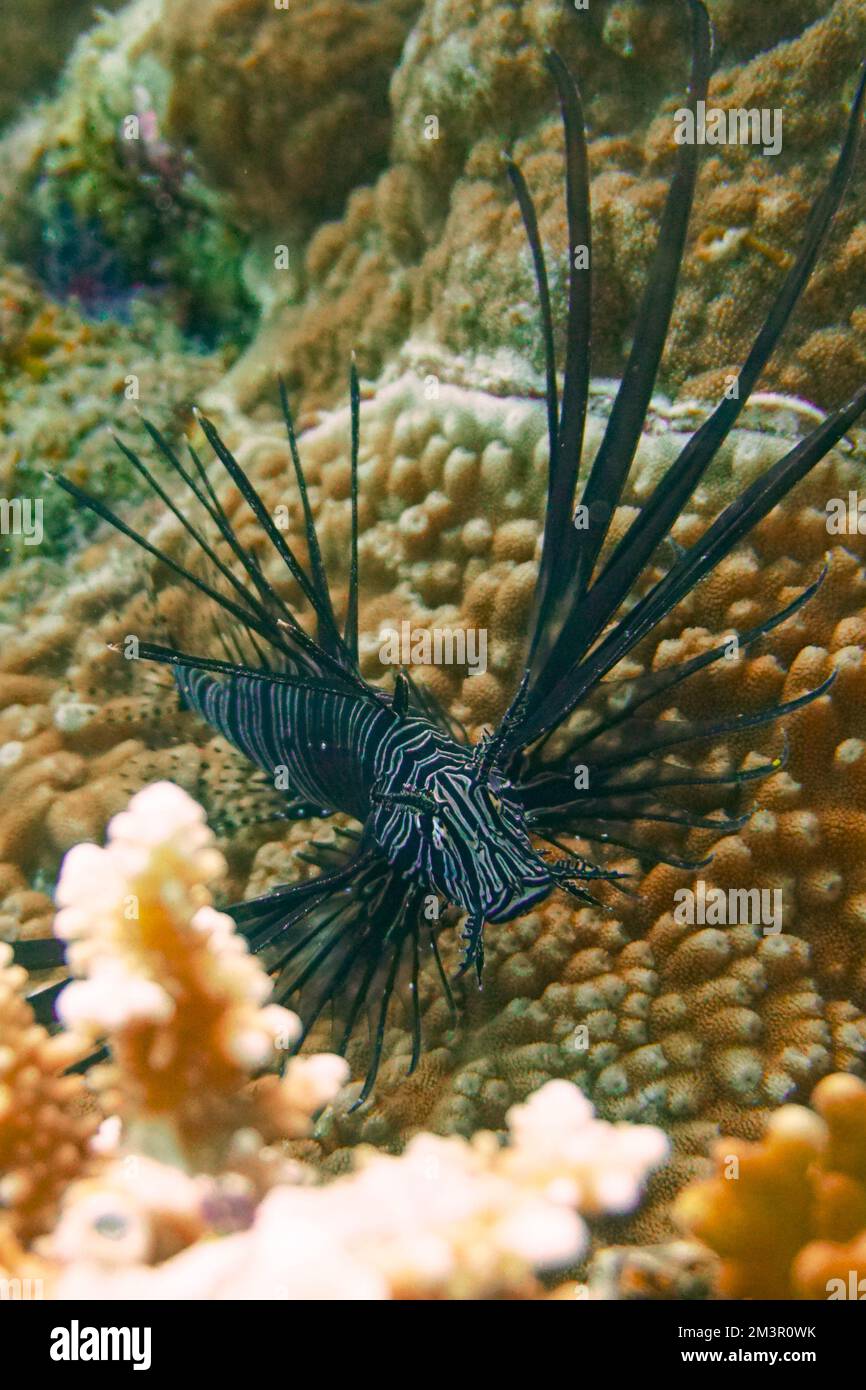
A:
<point x="213" y="195"/>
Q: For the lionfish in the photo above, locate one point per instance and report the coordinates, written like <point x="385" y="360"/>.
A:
<point x="443" y="820"/>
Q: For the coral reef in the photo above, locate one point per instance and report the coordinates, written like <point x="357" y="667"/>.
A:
<point x="449" y="1218"/>
<point x="258" y="94"/>
<point x="435" y="249"/>
<point x="37" y="36"/>
<point x="189" y="143"/>
<point x="695" y="1027"/>
<point x="234" y="104"/>
<point x="686" y="1025"/>
<point x="787" y="1215"/>
<point x="91" y="169"/>
<point x="681" y="1270"/>
<point x="169" y="982"/>
<point x="192" y="1192"/>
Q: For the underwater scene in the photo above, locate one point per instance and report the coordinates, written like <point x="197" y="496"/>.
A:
<point x="432" y="652"/>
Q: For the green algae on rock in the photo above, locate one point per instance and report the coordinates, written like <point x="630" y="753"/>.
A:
<point x="63" y="378"/>
<point x="190" y="138"/>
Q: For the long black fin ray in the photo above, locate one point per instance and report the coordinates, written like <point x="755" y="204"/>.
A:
<point x="335" y="645"/>
<point x="266" y="593"/>
<point x="654" y="684"/>
<point x="268" y="600"/>
<point x="678" y="484"/>
<point x="340" y="939"/>
<point x="286" y="635"/>
<point x="317" y="568"/>
<point x="550" y="790"/>
<point x="589" y="613"/>
<point x="612" y="462"/>
<point x="559" y="544"/>
<point x="350" y="635"/>
<point x="737" y="519"/>
<point x="533" y="237"/>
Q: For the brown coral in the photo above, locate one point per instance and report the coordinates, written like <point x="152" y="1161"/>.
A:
<point x="36" y="39"/>
<point x="436" y="249"/>
<point x="692" y="1025"/>
<point x="260" y="92"/>
<point x="186" y="1198"/>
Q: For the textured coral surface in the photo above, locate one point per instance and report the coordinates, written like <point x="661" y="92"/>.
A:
<point x="424" y="273"/>
<point x="435" y="249"/>
<point x="46" y="1118"/>
<point x="688" y="1025"/>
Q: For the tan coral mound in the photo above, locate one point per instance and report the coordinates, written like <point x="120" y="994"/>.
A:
<point x="260" y="92"/>
<point x="787" y="1215"/>
<point x="436" y="250"/>
<point x="401" y="111"/>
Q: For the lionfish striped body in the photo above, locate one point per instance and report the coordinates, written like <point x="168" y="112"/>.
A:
<point x="444" y="822"/>
<point x="394" y="772"/>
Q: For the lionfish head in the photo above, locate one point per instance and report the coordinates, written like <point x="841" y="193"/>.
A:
<point x="466" y="836"/>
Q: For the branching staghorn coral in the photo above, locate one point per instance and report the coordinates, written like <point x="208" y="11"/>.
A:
<point x="787" y="1215"/>
<point x="165" y="977"/>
